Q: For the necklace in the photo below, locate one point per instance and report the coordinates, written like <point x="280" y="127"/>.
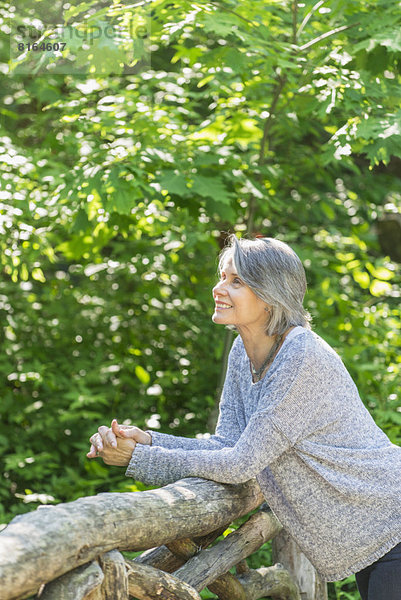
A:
<point x="256" y="373"/>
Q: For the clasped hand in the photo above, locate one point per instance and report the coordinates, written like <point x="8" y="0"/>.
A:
<point x="115" y="444"/>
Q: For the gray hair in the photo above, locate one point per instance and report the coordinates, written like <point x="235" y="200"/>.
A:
<point x="275" y="273"/>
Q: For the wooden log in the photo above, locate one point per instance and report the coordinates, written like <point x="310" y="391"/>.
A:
<point x="37" y="547"/>
<point x="288" y="553"/>
<point x="96" y="594"/>
<point x="159" y="558"/>
<point x="209" y="564"/>
<point x="115" y="583"/>
<point x="227" y="587"/>
<point x="179" y="551"/>
<point x="78" y="584"/>
<point x="147" y="583"/>
<point x="185" y="548"/>
<point x="242" y="567"/>
<point x="169" y="558"/>
<point x="269" y="581"/>
<point x="205" y="540"/>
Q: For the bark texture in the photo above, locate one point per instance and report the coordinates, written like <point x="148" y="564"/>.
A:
<point x="227" y="587"/>
<point x="209" y="564"/>
<point x="77" y="585"/>
<point x="147" y="583"/>
<point x="169" y="558"/>
<point x="288" y="553"/>
<point x="269" y="581"/>
<point x="53" y="540"/>
<point x="159" y="558"/>
<point x="115" y="583"/>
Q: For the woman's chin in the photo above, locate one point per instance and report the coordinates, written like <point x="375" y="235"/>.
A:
<point x="219" y="319"/>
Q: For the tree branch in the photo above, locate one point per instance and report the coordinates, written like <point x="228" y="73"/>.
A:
<point x="326" y="35"/>
<point x="281" y="81"/>
<point x="308" y="16"/>
<point x="294" y="21"/>
<point x="269" y="120"/>
<point x="221" y="6"/>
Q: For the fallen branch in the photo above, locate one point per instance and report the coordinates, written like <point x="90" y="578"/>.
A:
<point x="204" y="568"/>
<point x="170" y="558"/>
<point x="115" y="583"/>
<point x="75" y="585"/>
<point x="269" y="581"/>
<point x="148" y="583"/>
<point x="37" y="547"/>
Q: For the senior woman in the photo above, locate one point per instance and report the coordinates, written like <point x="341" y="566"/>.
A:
<point x="290" y="415"/>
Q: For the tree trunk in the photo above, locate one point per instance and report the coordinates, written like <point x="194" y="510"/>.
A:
<point x="39" y="546"/>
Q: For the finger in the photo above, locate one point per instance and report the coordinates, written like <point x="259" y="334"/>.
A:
<point x="119" y="430"/>
<point x="92" y="452"/>
<point x="108" y="436"/>
<point x="111" y="438"/>
<point x="96" y="440"/>
<point x="104" y="433"/>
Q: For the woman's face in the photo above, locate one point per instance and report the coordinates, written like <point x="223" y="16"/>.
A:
<point x="235" y="303"/>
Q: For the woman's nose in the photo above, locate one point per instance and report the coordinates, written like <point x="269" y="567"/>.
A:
<point x="219" y="288"/>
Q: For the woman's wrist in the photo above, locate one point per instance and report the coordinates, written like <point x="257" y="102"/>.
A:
<point x="142" y="437"/>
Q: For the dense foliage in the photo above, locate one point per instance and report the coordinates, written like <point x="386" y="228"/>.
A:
<point x="125" y="159"/>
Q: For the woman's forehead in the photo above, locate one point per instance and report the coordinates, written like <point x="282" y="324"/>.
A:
<point x="227" y="265"/>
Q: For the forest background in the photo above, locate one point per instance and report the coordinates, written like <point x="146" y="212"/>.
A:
<point x="127" y="154"/>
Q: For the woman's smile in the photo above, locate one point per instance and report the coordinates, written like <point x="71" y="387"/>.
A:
<point x="222" y="305"/>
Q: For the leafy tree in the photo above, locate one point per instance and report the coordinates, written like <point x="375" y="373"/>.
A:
<point x="125" y="160"/>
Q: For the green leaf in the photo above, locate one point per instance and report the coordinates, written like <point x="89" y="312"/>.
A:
<point x="217" y="26"/>
<point x="81" y="222"/>
<point x="73" y="11"/>
<point x="378" y="288"/>
<point x="211" y="187"/>
<point x="142" y="375"/>
<point x="362" y="278"/>
<point x="328" y="210"/>
<point x="174" y="183"/>
<point x="38" y="275"/>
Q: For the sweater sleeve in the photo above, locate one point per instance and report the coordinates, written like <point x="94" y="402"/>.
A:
<point x="227" y="429"/>
<point x="260" y="443"/>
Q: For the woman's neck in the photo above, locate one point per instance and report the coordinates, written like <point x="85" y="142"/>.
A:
<point x="258" y="345"/>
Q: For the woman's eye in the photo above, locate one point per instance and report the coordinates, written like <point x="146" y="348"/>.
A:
<point x="236" y="280"/>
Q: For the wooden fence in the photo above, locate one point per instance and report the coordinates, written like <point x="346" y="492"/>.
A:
<point x="72" y="551"/>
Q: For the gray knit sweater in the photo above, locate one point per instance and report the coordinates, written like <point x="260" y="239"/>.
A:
<point x="327" y="471"/>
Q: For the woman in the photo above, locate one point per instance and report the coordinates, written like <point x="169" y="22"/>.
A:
<point x="291" y="416"/>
